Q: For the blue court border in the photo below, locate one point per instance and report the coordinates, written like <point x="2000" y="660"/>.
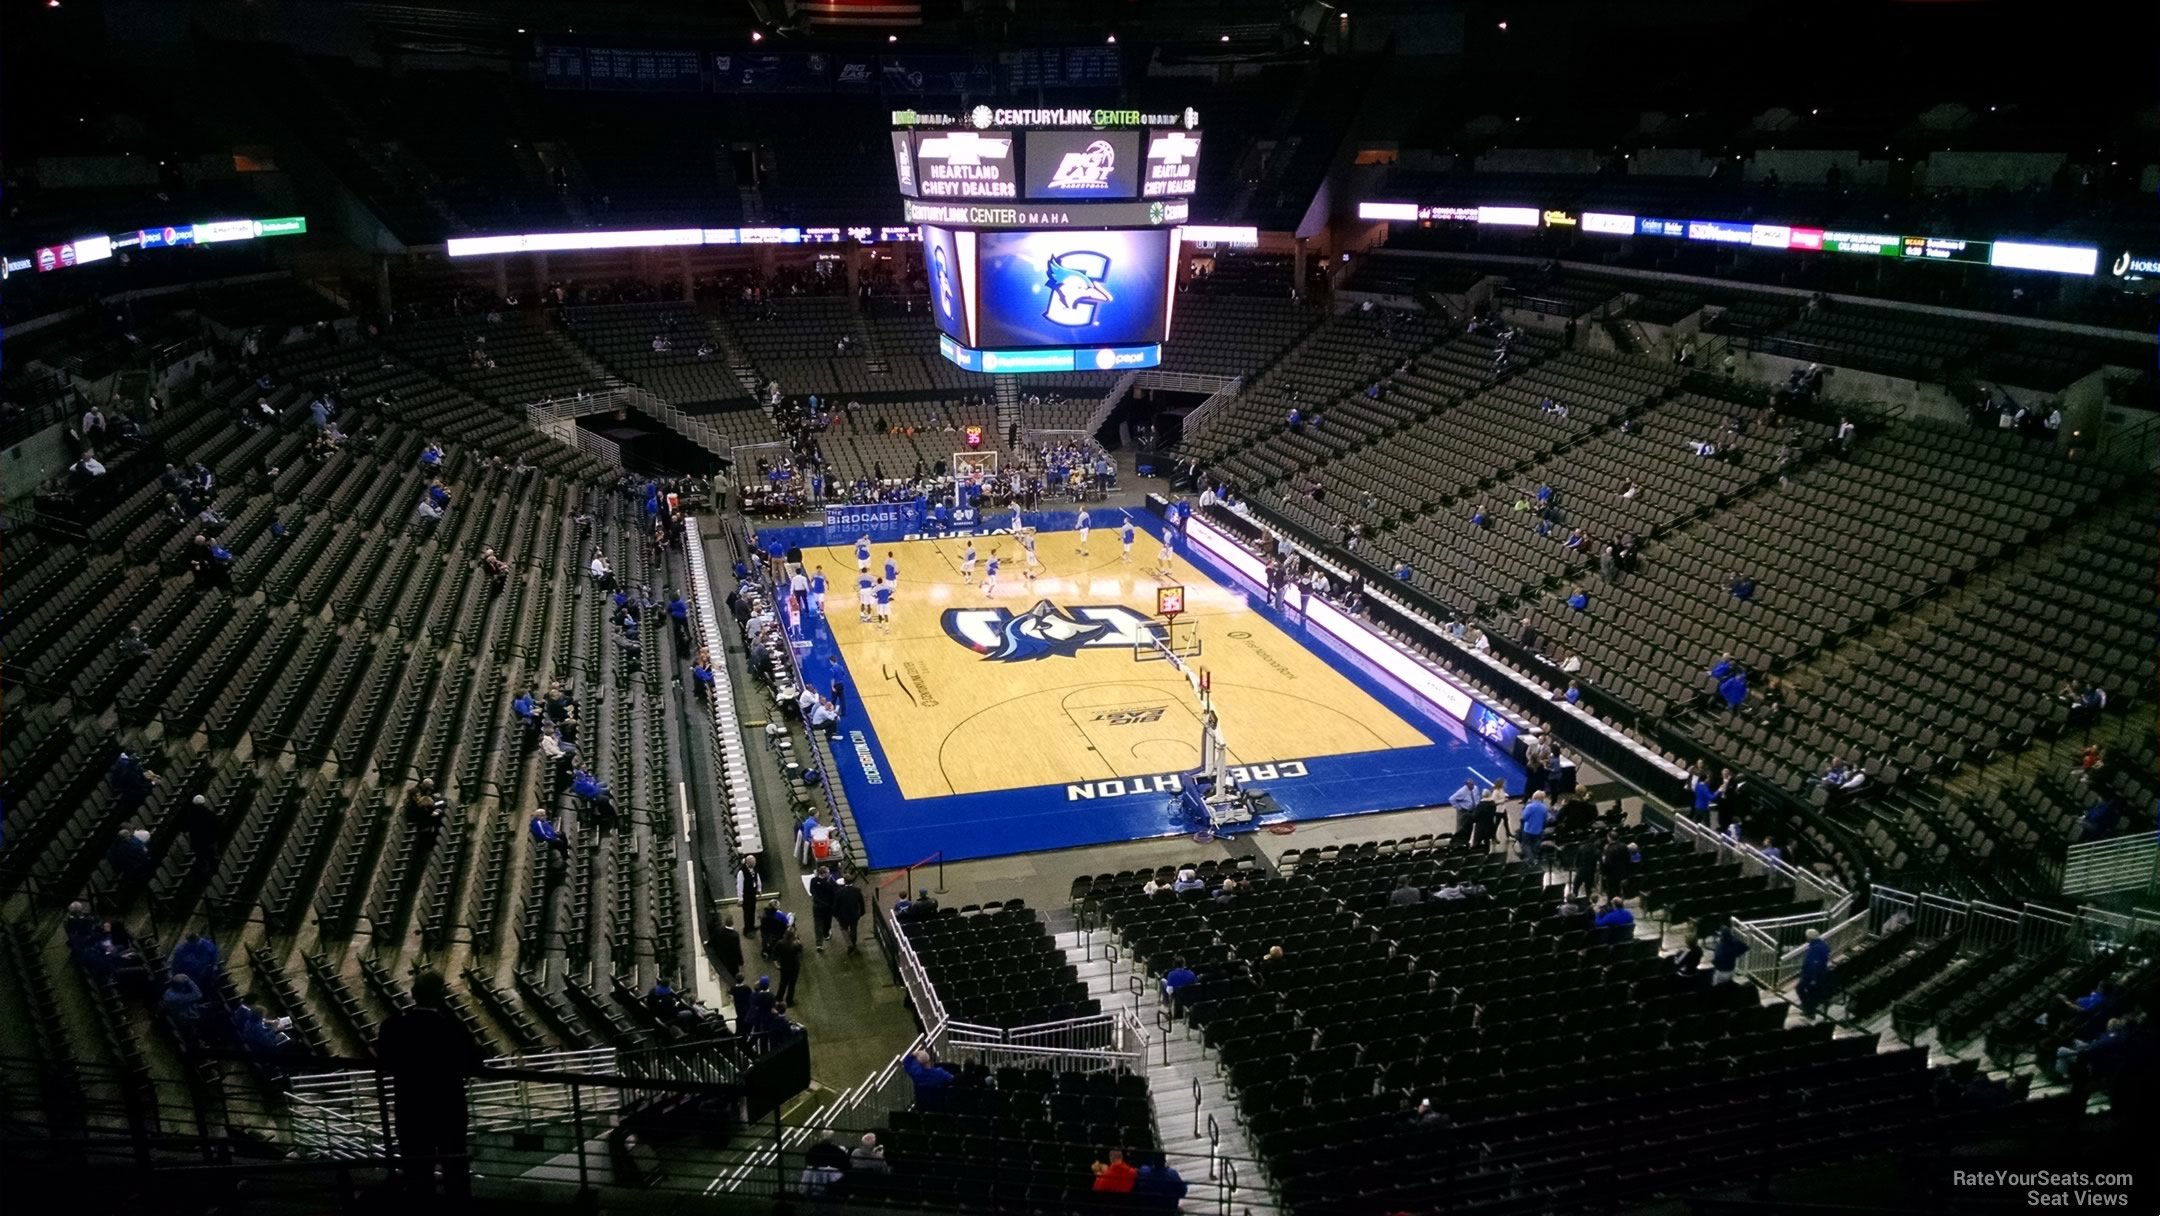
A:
<point x="895" y="830"/>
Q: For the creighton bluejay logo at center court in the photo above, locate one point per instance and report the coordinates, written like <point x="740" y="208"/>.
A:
<point x="1044" y="630"/>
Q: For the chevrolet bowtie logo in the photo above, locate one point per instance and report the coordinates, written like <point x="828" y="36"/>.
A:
<point x="1172" y="147"/>
<point x="966" y="148"/>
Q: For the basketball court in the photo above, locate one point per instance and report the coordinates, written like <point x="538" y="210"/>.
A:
<point x="1060" y="711"/>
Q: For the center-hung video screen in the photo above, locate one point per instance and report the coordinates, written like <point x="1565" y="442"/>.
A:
<point x="1073" y="288"/>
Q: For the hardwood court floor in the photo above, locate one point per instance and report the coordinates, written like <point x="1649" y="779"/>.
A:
<point x="1038" y="685"/>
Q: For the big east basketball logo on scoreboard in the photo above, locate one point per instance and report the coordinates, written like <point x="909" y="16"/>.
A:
<point x="1044" y="631"/>
<point x="1087" y="169"/>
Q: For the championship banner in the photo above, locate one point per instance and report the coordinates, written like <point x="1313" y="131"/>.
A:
<point x="772" y="72"/>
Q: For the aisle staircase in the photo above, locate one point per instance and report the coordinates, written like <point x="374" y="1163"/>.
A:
<point x="1189" y="1091"/>
<point x="1007" y="391"/>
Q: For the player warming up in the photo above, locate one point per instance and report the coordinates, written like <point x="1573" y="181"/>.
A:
<point x="862" y="597"/>
<point x="1027" y="542"/>
<point x="967" y="564"/>
<point x="892" y="568"/>
<point x="990" y="577"/>
<point x="1163" y="568"/>
<point x="1082" y="524"/>
<point x="862" y="554"/>
<point x="817" y="592"/>
<point x="1126" y="538"/>
<point x="883" y="592"/>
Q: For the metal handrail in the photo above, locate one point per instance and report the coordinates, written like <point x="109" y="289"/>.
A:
<point x="2101" y="867"/>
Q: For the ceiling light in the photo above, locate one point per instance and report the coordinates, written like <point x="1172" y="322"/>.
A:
<point x="1226" y="37"/>
<point x="892" y="37"/>
<point x="757" y="36"/>
<point x="1503" y="27"/>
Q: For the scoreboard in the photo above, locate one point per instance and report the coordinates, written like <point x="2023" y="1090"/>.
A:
<point x="1050" y="236"/>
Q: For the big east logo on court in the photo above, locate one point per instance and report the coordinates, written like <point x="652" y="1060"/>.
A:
<point x="1044" y="631"/>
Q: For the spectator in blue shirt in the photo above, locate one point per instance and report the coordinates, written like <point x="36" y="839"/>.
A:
<point x="679" y="612"/>
<point x="1574" y="692"/>
<point x="196" y="957"/>
<point x="1615" y="915"/>
<point x="1706" y="795"/>
<point x="598" y="798"/>
<point x="431" y="456"/>
<point x="130" y="852"/>
<point x="1578" y="599"/>
<point x="2101" y="820"/>
<point x="1814" y="987"/>
<point x="1478" y="516"/>
<point x="1733" y="690"/>
<point x="1177" y="977"/>
<point x="929" y="1078"/>
<point x="1402" y="572"/>
<point x="1725" y="954"/>
<point x="130" y="780"/>
<point x="1531" y="835"/>
<point x="2100" y="1001"/>
<point x="1464" y="801"/>
<point x="1742" y="587"/>
<point x="544" y="832"/>
<point x="183" y="998"/>
<point x="1188" y="879"/>
<point x="1725" y="666"/>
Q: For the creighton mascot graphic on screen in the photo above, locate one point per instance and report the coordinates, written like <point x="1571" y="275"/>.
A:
<point x="1044" y="631"/>
<point x="1076" y="287"/>
<point x="1066" y="289"/>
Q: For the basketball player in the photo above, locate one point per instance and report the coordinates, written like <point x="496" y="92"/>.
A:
<point x="1126" y="537"/>
<point x="990" y="578"/>
<point x="1163" y="568"/>
<point x="1028" y="573"/>
<point x="1016" y="523"/>
<point x="817" y="592"/>
<point x="862" y="554"/>
<point x="967" y="564"/>
<point x="862" y="597"/>
<point x="883" y="593"/>
<point x="1027" y="542"/>
<point x="892" y="568"/>
<point x="1082" y="522"/>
